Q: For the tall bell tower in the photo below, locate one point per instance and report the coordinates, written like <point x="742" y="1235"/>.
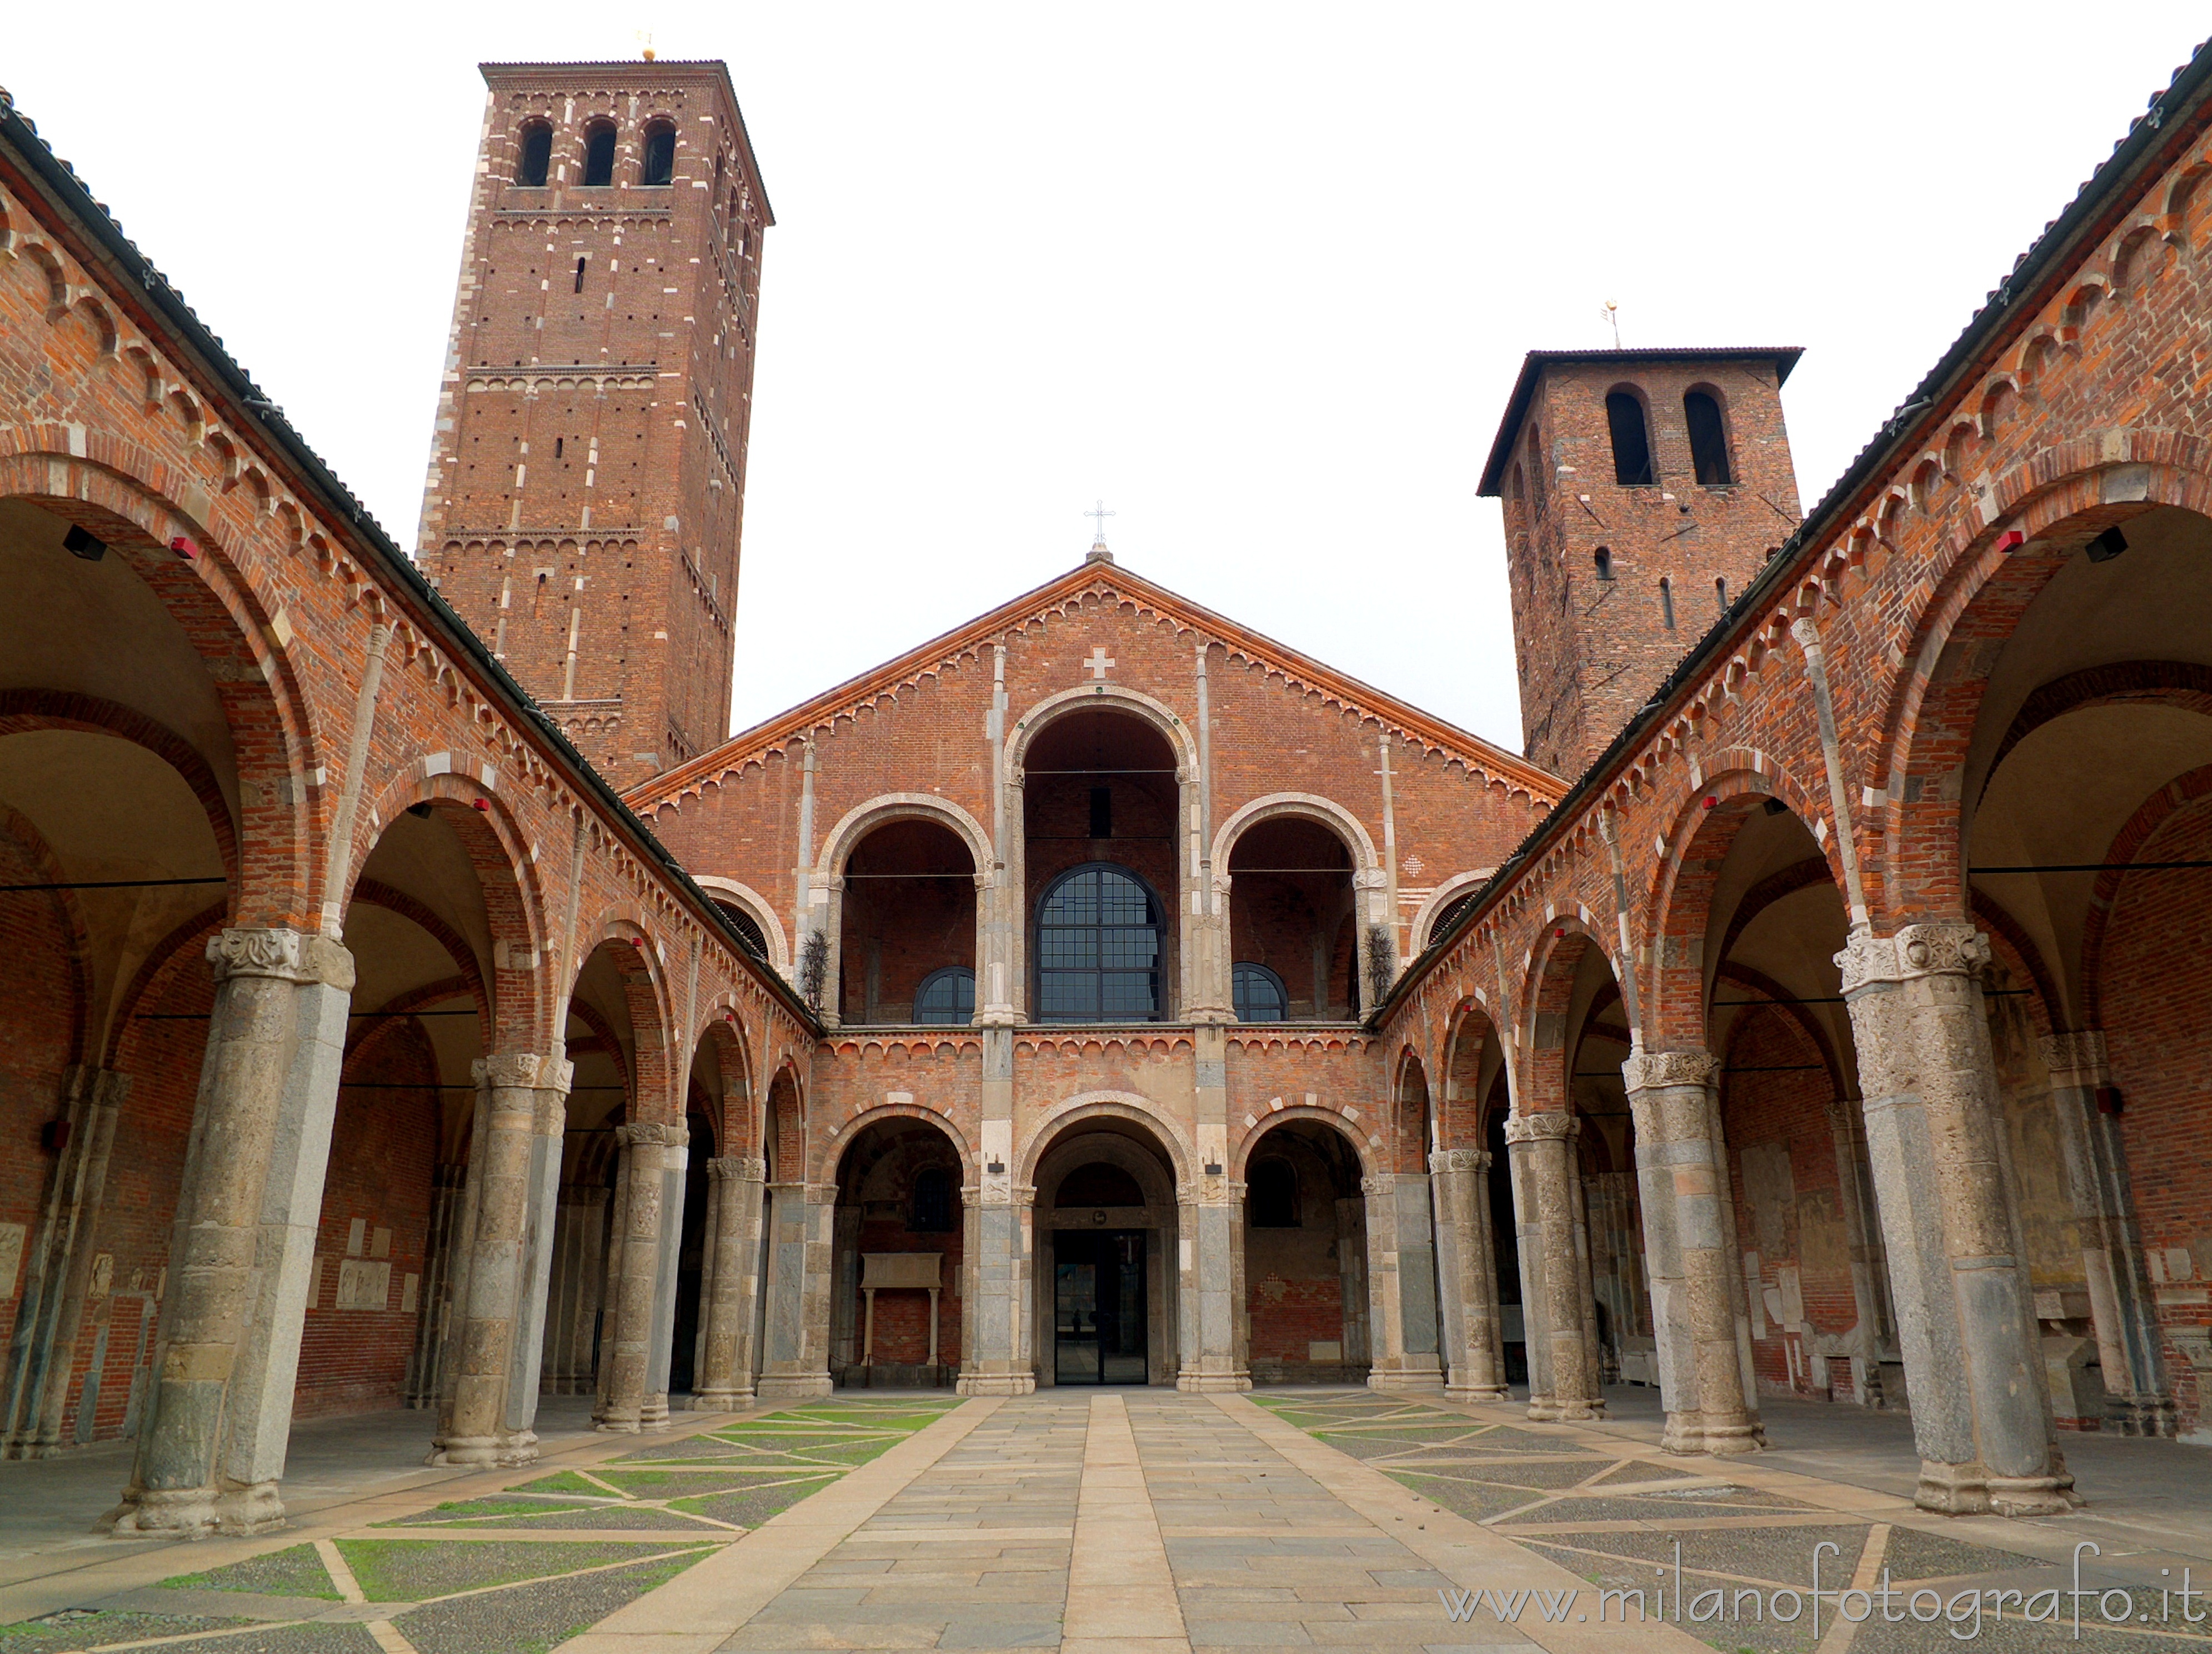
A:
<point x="1643" y="489"/>
<point x="587" y="484"/>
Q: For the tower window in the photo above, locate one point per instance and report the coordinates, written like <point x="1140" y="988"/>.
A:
<point x="1709" y="455"/>
<point x="1540" y="483"/>
<point x="1667" y="601"/>
<point x="580" y="274"/>
<point x="536" y="161"/>
<point x="599" y="152"/>
<point x="1631" y="440"/>
<point x="557" y="442"/>
<point x="1604" y="562"/>
<point x="660" y="166"/>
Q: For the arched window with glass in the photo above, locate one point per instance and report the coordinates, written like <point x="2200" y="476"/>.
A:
<point x="1099" y="944"/>
<point x="1258" y="993"/>
<point x="946" y="996"/>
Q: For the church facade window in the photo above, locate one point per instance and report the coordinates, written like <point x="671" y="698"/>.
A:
<point x="1258" y="993"/>
<point x="946" y="996"/>
<point x="1098" y="947"/>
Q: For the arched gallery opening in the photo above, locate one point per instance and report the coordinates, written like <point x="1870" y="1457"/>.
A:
<point x="898" y="1249"/>
<point x="906" y="925"/>
<point x="1293" y="929"/>
<point x="1306" y="1296"/>
<point x="1106" y="1299"/>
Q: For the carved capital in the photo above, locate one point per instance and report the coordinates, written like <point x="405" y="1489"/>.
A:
<point x="655" y="1132"/>
<point x="822" y="1194"/>
<point x="1939" y="949"/>
<point x="526" y="1069"/>
<point x="1383" y="1182"/>
<point x="289" y="956"/>
<point x="738" y="1167"/>
<point x="1444" y="1160"/>
<point x="1657" y="1070"/>
<point x="1807" y="633"/>
<point x="1550" y="1126"/>
<point x="2077" y="1058"/>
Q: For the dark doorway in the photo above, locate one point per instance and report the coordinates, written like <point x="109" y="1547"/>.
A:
<point x="691" y="1257"/>
<point x="1098" y="1307"/>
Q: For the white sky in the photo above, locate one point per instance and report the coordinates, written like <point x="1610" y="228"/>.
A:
<point x="1261" y="275"/>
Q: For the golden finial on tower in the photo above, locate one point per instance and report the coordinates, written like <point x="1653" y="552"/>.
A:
<point x="644" y="43"/>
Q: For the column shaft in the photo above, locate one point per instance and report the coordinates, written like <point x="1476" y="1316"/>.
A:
<point x="1473" y="1365"/>
<point x="634" y="1271"/>
<point x="725" y="1341"/>
<point x="212" y="1449"/>
<point x="1981" y="1412"/>
<point x="796" y="1362"/>
<point x="1554" y="1271"/>
<point x="1402" y="1282"/>
<point x="1688" y="1256"/>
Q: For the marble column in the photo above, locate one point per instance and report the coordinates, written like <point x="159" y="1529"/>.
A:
<point x="795" y="1361"/>
<point x="2138" y="1397"/>
<point x="1554" y="1269"/>
<point x="212" y="1451"/>
<point x="1869" y="1267"/>
<point x="514" y="1166"/>
<point x="1974" y="1362"/>
<point x="434" y="1314"/>
<point x="1688" y="1258"/>
<point x="635" y="1267"/>
<point x="996" y="1357"/>
<point x="1209" y="1234"/>
<point x="1474" y="1368"/>
<point x="725" y="1362"/>
<point x="668" y="1259"/>
<point x="1401" y="1282"/>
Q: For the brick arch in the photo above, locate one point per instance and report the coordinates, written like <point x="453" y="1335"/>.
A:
<point x="1447" y="893"/>
<point x="728" y="1038"/>
<point x="25" y="709"/>
<point x="1468" y="1034"/>
<point x="2013" y="947"/>
<point x="1809" y="1025"/>
<point x="1240" y="1153"/>
<point x="205" y="923"/>
<point x="655" y="1091"/>
<point x="833" y="1152"/>
<point x="1112" y="698"/>
<point x="1548" y="987"/>
<point x="121" y="493"/>
<point x="498" y="850"/>
<point x="2182" y="683"/>
<point x="1679" y="908"/>
<point x="1303" y="807"/>
<point x="1413" y="1112"/>
<point x="2184" y="792"/>
<point x="1980" y="589"/>
<point x="857" y="823"/>
<point x="424" y="918"/>
<point x="762" y="911"/>
<point x="785" y="1103"/>
<point x="1064" y="1116"/>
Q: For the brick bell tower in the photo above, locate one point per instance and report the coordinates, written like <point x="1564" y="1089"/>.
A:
<point x="586" y="481"/>
<point x="1643" y="490"/>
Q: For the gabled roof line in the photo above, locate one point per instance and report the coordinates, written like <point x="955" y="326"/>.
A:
<point x="1085" y="579"/>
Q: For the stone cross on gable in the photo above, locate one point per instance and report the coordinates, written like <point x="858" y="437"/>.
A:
<point x="1099" y="661"/>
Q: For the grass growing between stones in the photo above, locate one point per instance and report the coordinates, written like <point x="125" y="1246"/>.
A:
<point x="294" y="1572"/>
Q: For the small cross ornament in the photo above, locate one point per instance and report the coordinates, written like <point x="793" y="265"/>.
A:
<point x="1099" y="661"/>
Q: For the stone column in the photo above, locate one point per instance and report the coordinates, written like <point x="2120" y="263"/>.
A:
<point x="1687" y="1255"/>
<point x="725" y="1362"/>
<point x="57" y="1272"/>
<point x="1554" y="1269"/>
<point x="579" y="1274"/>
<point x="995" y="1353"/>
<point x="2138" y="1398"/>
<point x="1401" y="1282"/>
<point x="796" y="1359"/>
<point x="635" y="1267"/>
<point x="668" y="1257"/>
<point x="1351" y="1280"/>
<point x="514" y="1170"/>
<point x="1981" y="1412"/>
<point x="212" y="1449"/>
<point x="1209" y="1228"/>
<point x="1862" y="1234"/>
<point x="1475" y="1369"/>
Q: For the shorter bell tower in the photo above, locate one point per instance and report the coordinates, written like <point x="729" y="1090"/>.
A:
<point x="1643" y="489"/>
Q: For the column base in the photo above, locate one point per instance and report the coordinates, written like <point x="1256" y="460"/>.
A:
<point x="518" y="1447"/>
<point x="1431" y="1382"/>
<point x="1477" y="1393"/>
<point x="1969" y="1490"/>
<point x="1691" y="1434"/>
<point x="791" y="1386"/>
<point x="1213" y="1383"/>
<point x="653" y="1416"/>
<point x="721" y="1401"/>
<point x="1542" y="1409"/>
<point x="995" y="1383"/>
<point x="196" y="1512"/>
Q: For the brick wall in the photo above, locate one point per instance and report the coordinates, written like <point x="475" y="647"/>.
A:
<point x="40" y="1017"/>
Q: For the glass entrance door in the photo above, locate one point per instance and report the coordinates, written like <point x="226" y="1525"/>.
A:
<point x="1099" y="1323"/>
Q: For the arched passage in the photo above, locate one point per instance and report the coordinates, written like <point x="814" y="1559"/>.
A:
<point x="717" y="1280"/>
<point x="1477" y="1261"/>
<point x="1306" y="1285"/>
<point x="897" y="1308"/>
<point x="1107" y="1300"/>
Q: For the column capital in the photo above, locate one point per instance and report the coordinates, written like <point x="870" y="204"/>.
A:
<point x="2078" y="1057"/>
<point x="998" y="1191"/>
<point x="1380" y="1182"/>
<point x="1547" y="1126"/>
<point x="1940" y="948"/>
<point x="1444" y="1160"/>
<point x="1656" y="1070"/>
<point x="738" y="1167"/>
<point x="529" y="1070"/>
<point x="289" y="956"/>
<point x="652" y="1131"/>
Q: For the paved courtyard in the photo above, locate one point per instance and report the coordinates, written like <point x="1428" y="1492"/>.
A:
<point x="1100" y="1521"/>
